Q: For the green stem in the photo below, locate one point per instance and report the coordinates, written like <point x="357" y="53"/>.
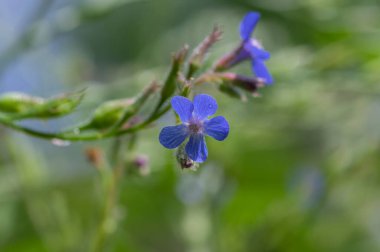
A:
<point x="72" y="136"/>
<point x="111" y="178"/>
<point x="9" y="123"/>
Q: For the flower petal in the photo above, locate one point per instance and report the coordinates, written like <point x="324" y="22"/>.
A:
<point x="183" y="107"/>
<point x="196" y="148"/>
<point x="248" y="24"/>
<point x="255" y="50"/>
<point x="172" y="136"/>
<point x="204" y="106"/>
<point x="261" y="71"/>
<point x="217" y="128"/>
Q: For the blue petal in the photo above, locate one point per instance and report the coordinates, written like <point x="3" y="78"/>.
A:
<point x="172" y="136"/>
<point x="204" y="106"/>
<point x="248" y="24"/>
<point x="261" y="71"/>
<point x="255" y="51"/>
<point x="183" y="107"/>
<point x="217" y="128"/>
<point x="196" y="148"/>
<point x="242" y="54"/>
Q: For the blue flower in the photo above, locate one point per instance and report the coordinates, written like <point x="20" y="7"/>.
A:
<point x="252" y="49"/>
<point x="195" y="125"/>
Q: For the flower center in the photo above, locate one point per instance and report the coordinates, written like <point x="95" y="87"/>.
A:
<point x="195" y="127"/>
<point x="256" y="43"/>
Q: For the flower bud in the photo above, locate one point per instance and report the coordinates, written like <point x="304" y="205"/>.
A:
<point x="19" y="103"/>
<point x="185" y="85"/>
<point x="24" y="106"/>
<point x="109" y="113"/>
<point x="229" y="79"/>
<point x="96" y="157"/>
<point x="117" y="112"/>
<point x="141" y="164"/>
<point x="171" y="80"/>
<point x="232" y="92"/>
<point x="249" y="84"/>
<point x="138" y="165"/>
<point x="59" y="106"/>
<point x="183" y="159"/>
<point x="138" y="102"/>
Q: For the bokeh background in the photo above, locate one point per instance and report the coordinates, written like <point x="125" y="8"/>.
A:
<point x="300" y="170"/>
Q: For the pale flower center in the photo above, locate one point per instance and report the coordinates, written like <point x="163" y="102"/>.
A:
<point x="256" y="43"/>
<point x="195" y="126"/>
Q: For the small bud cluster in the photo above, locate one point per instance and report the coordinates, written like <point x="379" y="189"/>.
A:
<point x="141" y="163"/>
<point x="183" y="159"/>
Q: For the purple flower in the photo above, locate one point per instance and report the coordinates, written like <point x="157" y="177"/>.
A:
<point x="252" y="49"/>
<point x="195" y="125"/>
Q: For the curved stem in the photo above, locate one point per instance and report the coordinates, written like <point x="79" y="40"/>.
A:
<point x="82" y="137"/>
<point x="9" y="123"/>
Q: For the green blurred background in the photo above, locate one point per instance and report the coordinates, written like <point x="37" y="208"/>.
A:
<point x="300" y="170"/>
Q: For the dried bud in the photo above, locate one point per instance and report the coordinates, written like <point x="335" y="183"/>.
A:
<point x="141" y="163"/>
<point x="95" y="157"/>
<point x="199" y="53"/>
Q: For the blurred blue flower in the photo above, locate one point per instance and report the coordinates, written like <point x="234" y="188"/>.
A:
<point x="195" y="124"/>
<point x="252" y="49"/>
